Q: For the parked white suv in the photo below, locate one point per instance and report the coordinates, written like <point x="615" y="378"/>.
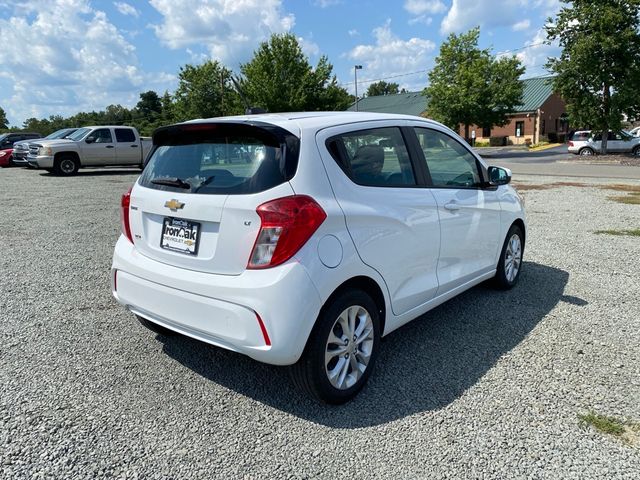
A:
<point x="300" y="239"/>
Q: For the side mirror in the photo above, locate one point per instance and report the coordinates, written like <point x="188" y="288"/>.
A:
<point x="90" y="139"/>
<point x="499" y="176"/>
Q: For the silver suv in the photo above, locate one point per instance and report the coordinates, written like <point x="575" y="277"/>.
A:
<point x="617" y="142"/>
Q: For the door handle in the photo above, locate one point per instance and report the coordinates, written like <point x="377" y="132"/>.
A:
<point x="452" y="206"/>
<point x="109" y="146"/>
<point x="134" y="146"/>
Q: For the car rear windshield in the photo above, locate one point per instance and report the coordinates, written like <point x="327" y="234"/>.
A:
<point x="221" y="158"/>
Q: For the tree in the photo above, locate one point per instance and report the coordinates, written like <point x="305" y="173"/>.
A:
<point x="598" y="71"/>
<point x="149" y="104"/>
<point x="205" y="91"/>
<point x="383" y="88"/>
<point x="469" y="86"/>
<point x="279" y="78"/>
<point x="4" y="123"/>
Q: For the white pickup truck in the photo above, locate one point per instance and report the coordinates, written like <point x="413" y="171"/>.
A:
<point x="98" y="146"/>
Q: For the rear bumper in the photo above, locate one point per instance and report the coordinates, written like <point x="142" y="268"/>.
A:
<point x="221" y="309"/>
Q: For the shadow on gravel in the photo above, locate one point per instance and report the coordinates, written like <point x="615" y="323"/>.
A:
<point x="424" y="365"/>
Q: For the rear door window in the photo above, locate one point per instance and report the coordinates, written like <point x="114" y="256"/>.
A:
<point x="375" y="157"/>
<point x="125" y="135"/>
<point x="220" y="159"/>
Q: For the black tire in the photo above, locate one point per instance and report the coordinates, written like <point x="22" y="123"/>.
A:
<point x="503" y="280"/>
<point x="310" y="373"/>
<point x="636" y="151"/>
<point x="66" y="166"/>
<point x="586" y="151"/>
<point x="154" y="327"/>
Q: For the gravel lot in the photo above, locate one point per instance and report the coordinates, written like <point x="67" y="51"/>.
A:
<point x="488" y="385"/>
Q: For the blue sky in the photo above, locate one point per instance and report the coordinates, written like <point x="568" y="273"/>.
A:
<point x="59" y="57"/>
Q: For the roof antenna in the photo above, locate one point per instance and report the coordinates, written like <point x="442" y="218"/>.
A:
<point x="249" y="110"/>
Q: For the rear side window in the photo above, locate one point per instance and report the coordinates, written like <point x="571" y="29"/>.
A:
<point x="581" y="136"/>
<point x="125" y="135"/>
<point x="220" y="158"/>
<point x="374" y="157"/>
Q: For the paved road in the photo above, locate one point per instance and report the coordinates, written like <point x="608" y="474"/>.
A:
<point x="555" y="162"/>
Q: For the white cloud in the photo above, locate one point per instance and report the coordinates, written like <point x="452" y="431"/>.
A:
<point x="465" y="14"/>
<point x="353" y="32"/>
<point x="126" y="9"/>
<point x="391" y="55"/>
<point x="537" y="52"/>
<point x="421" y="19"/>
<point x="420" y="7"/>
<point x="326" y="3"/>
<point x="309" y="47"/>
<point x="77" y="60"/>
<point x="521" y="25"/>
<point x="230" y="29"/>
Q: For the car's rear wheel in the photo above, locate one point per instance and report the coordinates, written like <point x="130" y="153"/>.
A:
<point x="586" y="151"/>
<point x="154" y="327"/>
<point x="341" y="350"/>
<point x="636" y="151"/>
<point x="66" y="166"/>
<point x="510" y="263"/>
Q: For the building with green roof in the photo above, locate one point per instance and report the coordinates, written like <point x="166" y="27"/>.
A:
<point x="542" y="115"/>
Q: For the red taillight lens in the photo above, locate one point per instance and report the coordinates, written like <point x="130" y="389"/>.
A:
<point x="571" y="144"/>
<point x="286" y="225"/>
<point x="124" y="214"/>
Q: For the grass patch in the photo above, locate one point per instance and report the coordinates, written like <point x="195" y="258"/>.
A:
<point x="623" y="430"/>
<point x="633" y="233"/>
<point x="521" y="187"/>
<point x="620" y="187"/>
<point x="630" y="199"/>
<point x="602" y="423"/>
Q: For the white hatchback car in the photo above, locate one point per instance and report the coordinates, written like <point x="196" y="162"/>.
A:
<point x="300" y="239"/>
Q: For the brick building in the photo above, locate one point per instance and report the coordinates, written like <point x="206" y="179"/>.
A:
<point x="541" y="116"/>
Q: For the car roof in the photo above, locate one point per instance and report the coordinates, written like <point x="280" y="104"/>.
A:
<point x="296" y="121"/>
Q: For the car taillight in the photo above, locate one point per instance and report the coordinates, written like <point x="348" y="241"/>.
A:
<point x="571" y="144"/>
<point x="124" y="214"/>
<point x="286" y="225"/>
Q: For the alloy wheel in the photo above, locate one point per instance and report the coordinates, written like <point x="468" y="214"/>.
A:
<point x="349" y="347"/>
<point x="513" y="257"/>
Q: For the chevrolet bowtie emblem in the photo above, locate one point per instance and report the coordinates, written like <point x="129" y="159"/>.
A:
<point x="174" y="205"/>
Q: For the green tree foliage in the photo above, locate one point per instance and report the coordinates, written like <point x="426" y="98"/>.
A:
<point x="205" y="91"/>
<point x="383" y="88"/>
<point x="469" y="86"/>
<point x="4" y="123"/>
<point x="598" y="71"/>
<point x="280" y="78"/>
<point x="149" y="104"/>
